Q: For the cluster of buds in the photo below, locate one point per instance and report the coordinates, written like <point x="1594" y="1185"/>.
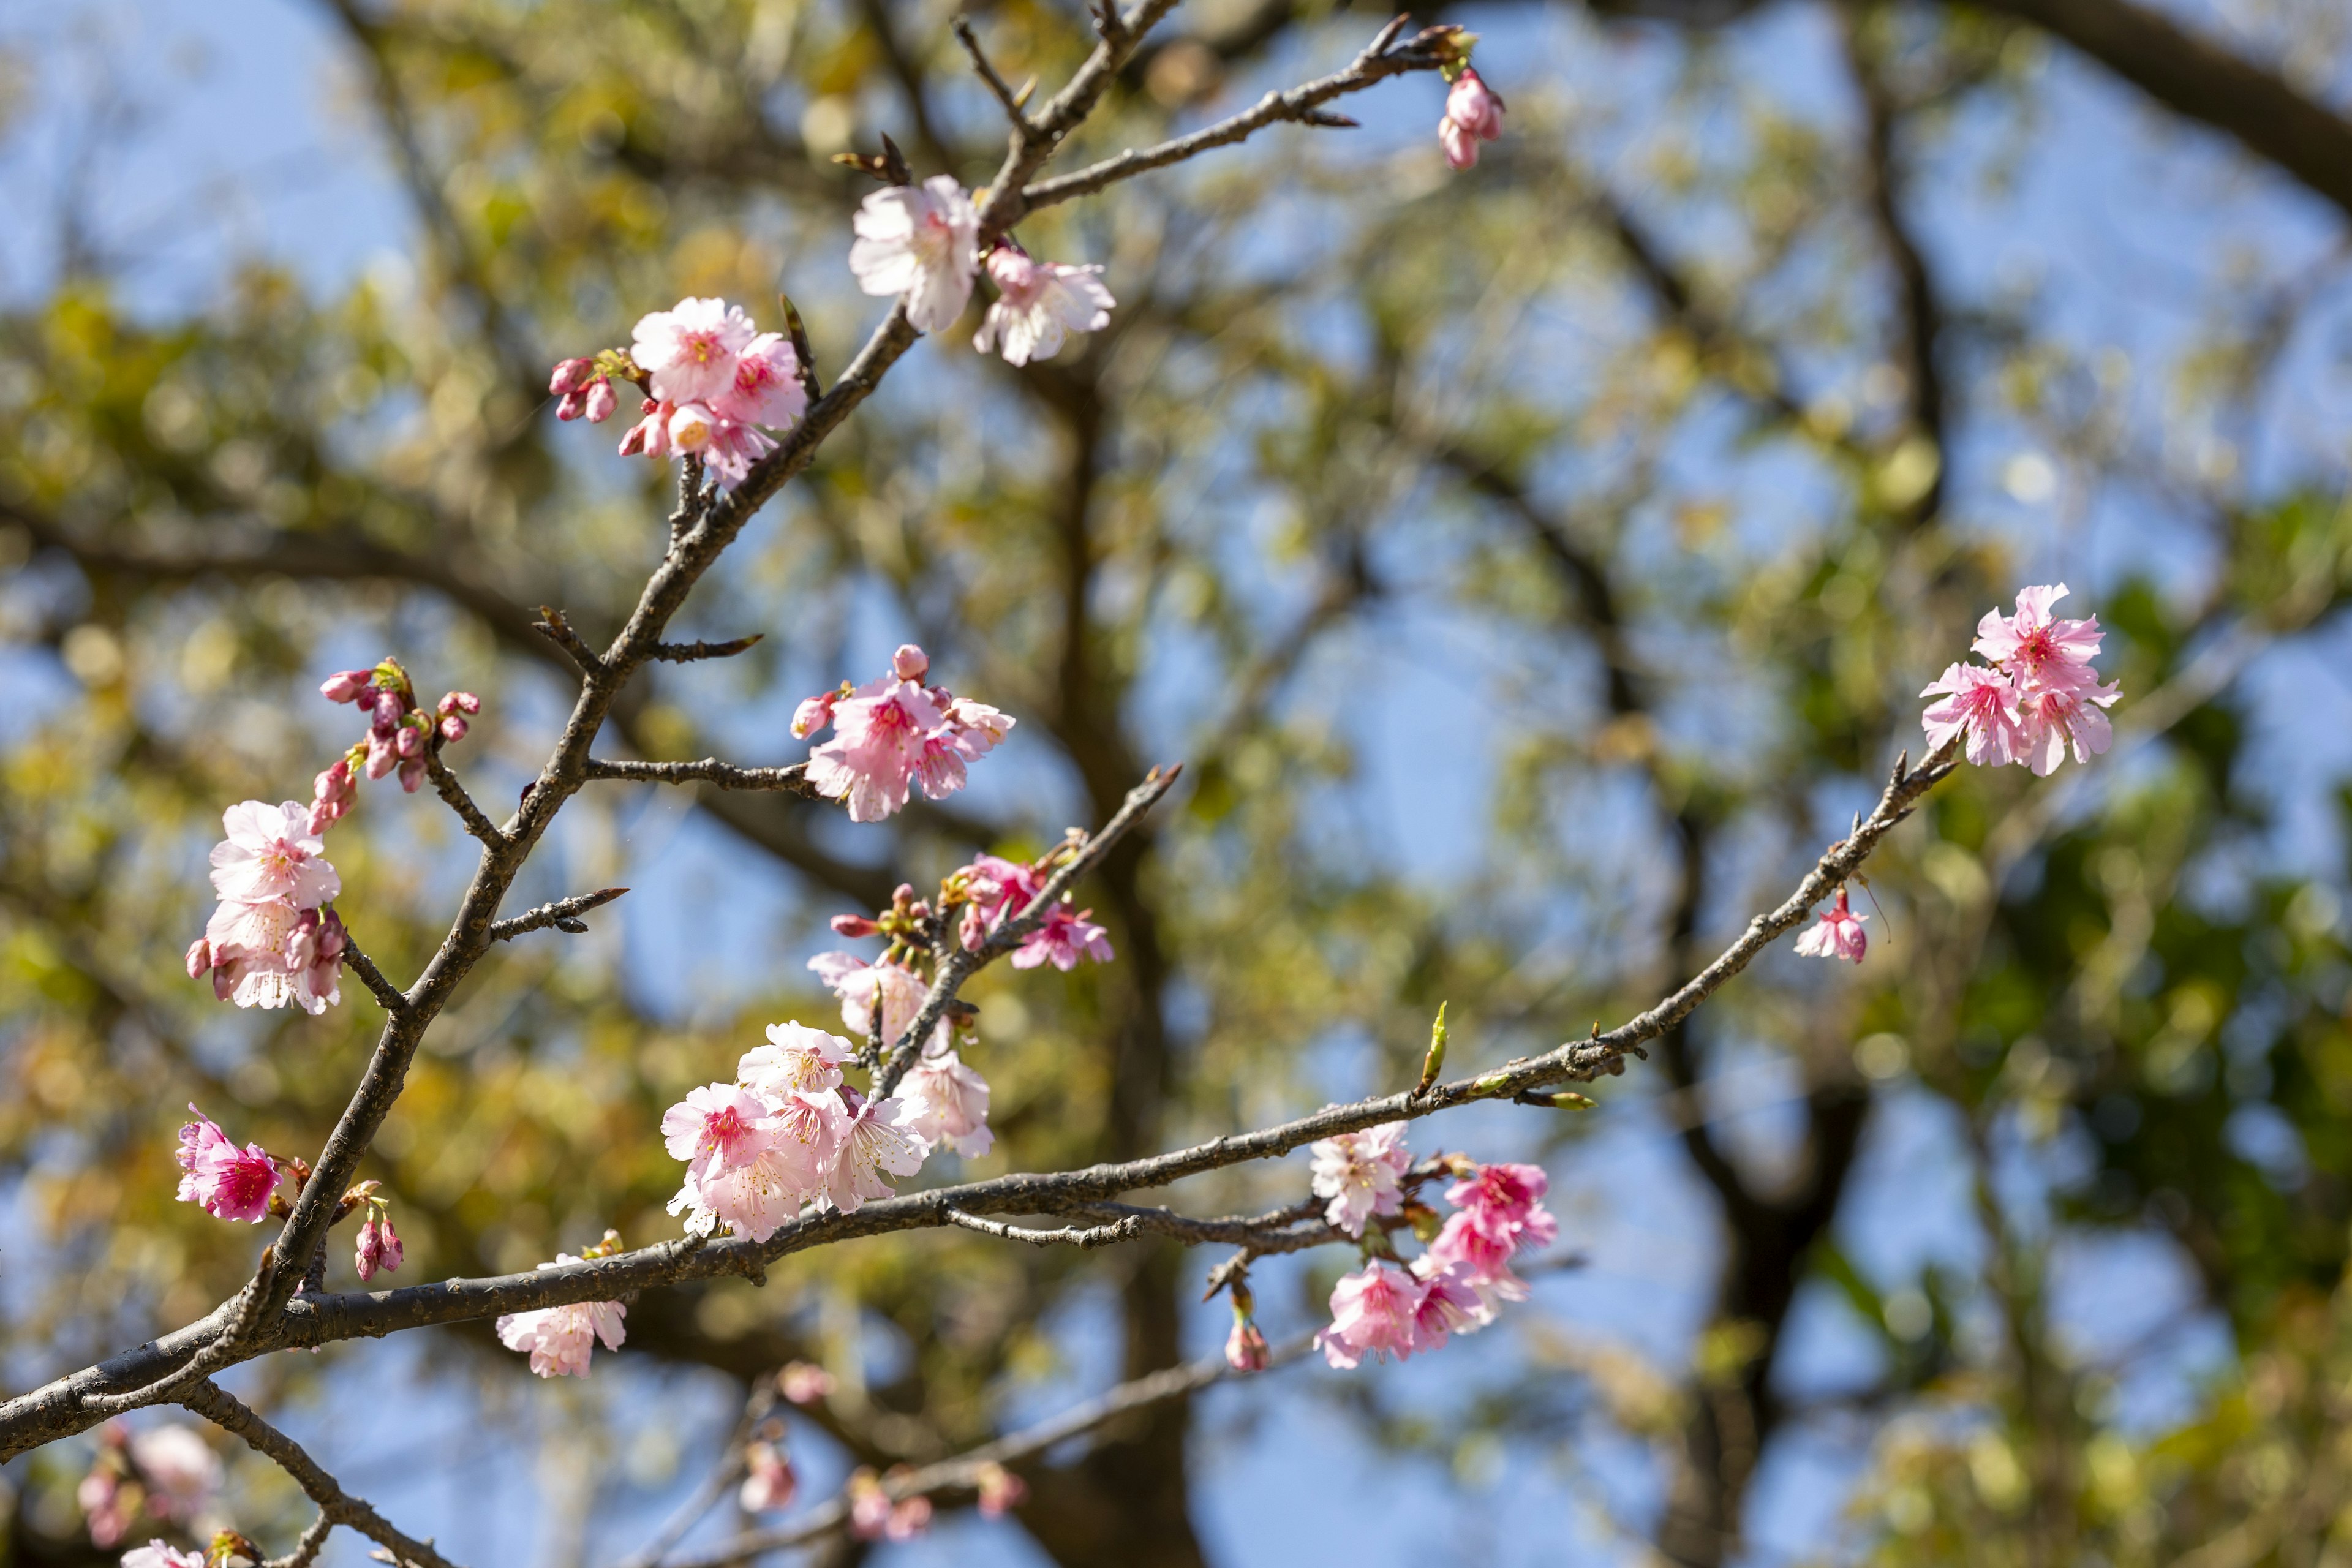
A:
<point x="1474" y="112"/>
<point x="874" y="1517"/>
<point x="378" y="1250"/>
<point x="585" y="386"/>
<point x="401" y="735"/>
<point x="233" y="1183"/>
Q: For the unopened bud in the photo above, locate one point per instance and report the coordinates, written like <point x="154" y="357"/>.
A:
<point x="407" y="740"/>
<point x="1246" y="1348"/>
<point x="571" y="405"/>
<point x="571" y="376"/>
<point x="1566" y="1099"/>
<point x="200" y="958"/>
<point x="452" y="728"/>
<point x="910" y="663"/>
<point x="1433" y="1062"/>
<point x="852" y="925"/>
<point x="601" y="402"/>
<point x="345" y="685"/>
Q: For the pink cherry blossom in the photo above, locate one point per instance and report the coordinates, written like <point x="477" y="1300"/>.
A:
<point x="715" y="1127"/>
<point x="1982" y="704"/>
<point x="1001" y="1491"/>
<point x="2034" y="646"/>
<point x="2054" y="716"/>
<point x="1246" y="1348"/>
<point x="271" y="853"/>
<point x="813" y="714"/>
<point x="948" y="1104"/>
<point x="1505" y="1202"/>
<point x="1038" y="304"/>
<point x="813" y="1125"/>
<point x="877" y="744"/>
<point x="570" y="375"/>
<point x="157" y="1555"/>
<point x="1374" y="1311"/>
<point x="1449" y="1305"/>
<point x="649" y="436"/>
<point x="916" y="242"/>
<point x="271" y="954"/>
<point x="1358" y="1172"/>
<point x="803" y="1382"/>
<point x="858" y="983"/>
<point x="181" y="1472"/>
<point x="346" y="685"/>
<point x="1001" y="888"/>
<point x="768" y="1482"/>
<point x="227" y="1181"/>
<point x="796" y="1058"/>
<point x="767" y="389"/>
<point x="379" y="1248"/>
<point x="559" y="1339"/>
<point x="873" y="1139"/>
<point x="1480" y="1261"/>
<point x="1473" y="113"/>
<point x="742" y="1170"/>
<point x="690" y="350"/>
<point x="1837" y="934"/>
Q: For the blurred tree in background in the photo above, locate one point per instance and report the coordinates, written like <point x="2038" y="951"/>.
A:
<point x="1531" y="565"/>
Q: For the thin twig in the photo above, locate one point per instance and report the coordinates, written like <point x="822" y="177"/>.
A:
<point x="552" y="626"/>
<point x="687" y="652"/>
<point x="445" y="785"/>
<point x="387" y="994"/>
<point x="563" y="915"/>
<point x="1085" y="1239"/>
<point x="979" y="62"/>
<point x="225" y="1410"/>
<point x="306" y="1550"/>
<point x="792" y="778"/>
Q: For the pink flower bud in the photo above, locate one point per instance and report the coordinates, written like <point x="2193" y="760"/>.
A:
<point x="600" y="401"/>
<point x="974" y="930"/>
<point x="223" y="980"/>
<point x="804" y="1384"/>
<point x="407" y="740"/>
<point x="649" y="436"/>
<point x="813" y="714"/>
<point x="910" y="663"/>
<point x="346" y="685"/>
<point x="412" y="773"/>
<point x="389" y="707"/>
<point x="379" y="1247"/>
<point x="458" y="702"/>
<point x="200" y="958"/>
<point x="1246" y="1348"/>
<point x="852" y="925"/>
<point x="570" y="376"/>
<point x="452" y="728"/>
<point x="330" y="940"/>
<point x="1473" y="113"/>
<point x="380" y="756"/>
<point x="572" y="405"/>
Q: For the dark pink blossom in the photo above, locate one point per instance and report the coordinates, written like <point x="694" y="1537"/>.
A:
<point x="1981" y="704"/>
<point x="1837" y="934"/>
<point x="767" y="386"/>
<point x="1449" y="1305"/>
<point x="1505" y="1201"/>
<point x="227" y="1181"/>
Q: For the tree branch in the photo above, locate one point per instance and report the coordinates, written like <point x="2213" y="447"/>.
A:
<point x="564" y="914"/>
<point x="792" y="778"/>
<point x="445" y="785"/>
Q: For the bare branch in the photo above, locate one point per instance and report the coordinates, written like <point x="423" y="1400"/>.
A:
<point x="552" y="625"/>
<point x="306" y="1550"/>
<point x="240" y="1310"/>
<point x="979" y="62"/>
<point x="687" y="652"/>
<point x="386" y="993"/>
<point x="563" y="915"/>
<point x="1085" y="1239"/>
<point x="223" y="1410"/>
<point x="445" y="785"/>
<point x="792" y="778"/>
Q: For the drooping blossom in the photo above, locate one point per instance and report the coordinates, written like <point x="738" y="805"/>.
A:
<point x="768" y="1482"/>
<point x="1039" y="304"/>
<point x="858" y="983"/>
<point x="948" y="1104"/>
<point x="893" y="733"/>
<point x="271" y="853"/>
<point x="767" y="389"/>
<point x="379" y="1249"/>
<point x="1001" y="1491"/>
<point x="1981" y="704"/>
<point x="874" y="1140"/>
<point x="2055" y="716"/>
<point x="559" y="1339"/>
<point x="803" y="1382"/>
<point x="1374" y="1311"/>
<point x="1505" y="1200"/>
<point x="916" y="242"/>
<point x="181" y="1472"/>
<point x="1245" y="1347"/>
<point x="158" y="1555"/>
<point x="1358" y="1172"/>
<point x="689" y="351"/>
<point x="1476" y="1259"/>
<point x="1473" y="113"/>
<point x="742" y="1170"/>
<point x="1450" y="1303"/>
<point x="1837" y="934"/>
<point x="1001" y="888"/>
<point x="227" y="1182"/>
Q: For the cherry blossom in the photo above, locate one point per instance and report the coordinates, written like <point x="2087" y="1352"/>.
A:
<point x="795" y="1059"/>
<point x="1837" y="934"/>
<point x="948" y="1104"/>
<point x="1038" y="304"/>
<point x="271" y="954"/>
<point x="1001" y="1491"/>
<point x="2034" y="647"/>
<point x="1476" y="1259"/>
<point x="1473" y="113"/>
<point x="767" y="389"/>
<point x="742" y="1169"/>
<point x="803" y="1382"/>
<point x="892" y="734"/>
<point x="271" y="853"/>
<point x="227" y="1181"/>
<point x="1246" y="1348"/>
<point x="1001" y="888"/>
<point x="1449" y="1305"/>
<point x="1982" y="704"/>
<point x="916" y="242"/>
<point x="157" y="1555"/>
<point x="873" y="1139"/>
<point x="561" y="1339"/>
<point x="858" y="983"/>
<point x="1505" y="1201"/>
<point x="649" y="436"/>
<point x="768" y="1482"/>
<point x="1358" y="1172"/>
<point x="688" y="350"/>
<point x="1374" y="1311"/>
<point x="909" y="1517"/>
<point x="729" y="446"/>
<point x="2052" y="716"/>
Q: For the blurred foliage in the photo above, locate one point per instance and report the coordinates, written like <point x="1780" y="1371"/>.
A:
<point x="1534" y="568"/>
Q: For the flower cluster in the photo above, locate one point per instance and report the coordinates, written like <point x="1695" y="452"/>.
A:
<point x="997" y="891"/>
<point x="167" y="1473"/>
<point x="1473" y="113"/>
<point x="2039" y="696"/>
<point x="400" y="734"/>
<point x="1391" y="1306"/>
<point x="227" y="1181"/>
<point x="787" y="1132"/>
<point x="715" y="385"/>
<point x="559" y="1339"/>
<point x="274" y="939"/>
<point x="892" y="734"/>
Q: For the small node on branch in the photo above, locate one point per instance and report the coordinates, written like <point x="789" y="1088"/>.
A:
<point x="557" y="630"/>
<point x="1012" y="101"/>
<point x="563" y="915"/>
<point x="1325" y="117"/>
<point x="889" y="165"/>
<point x="687" y="652"/>
<point x="1566" y="1099"/>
